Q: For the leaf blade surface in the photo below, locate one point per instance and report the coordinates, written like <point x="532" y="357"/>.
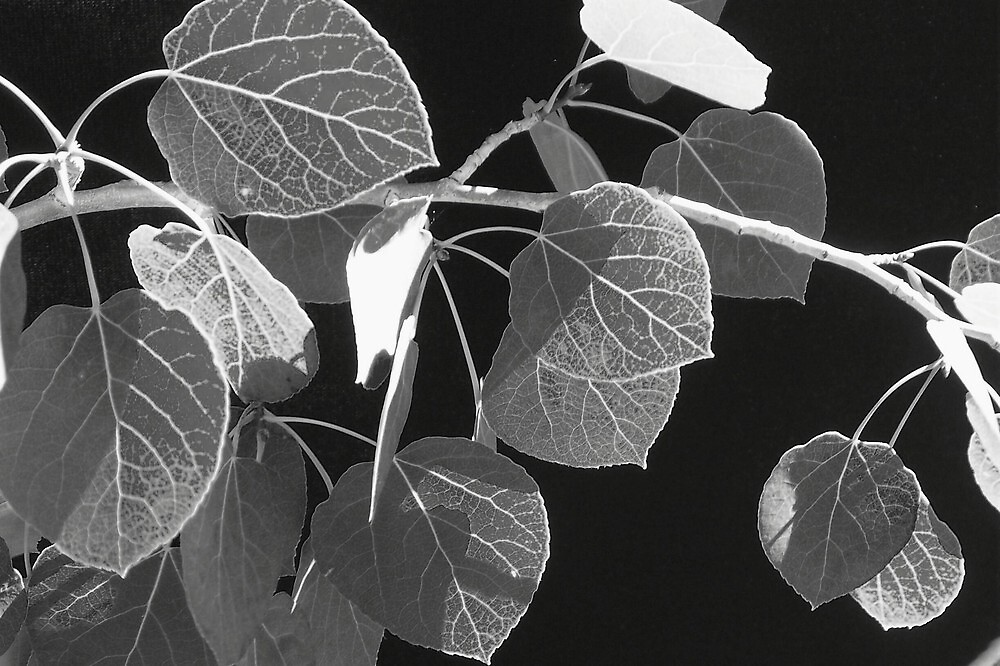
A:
<point x="13" y="288"/>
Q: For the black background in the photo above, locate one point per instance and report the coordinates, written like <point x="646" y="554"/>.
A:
<point x="662" y="565"/>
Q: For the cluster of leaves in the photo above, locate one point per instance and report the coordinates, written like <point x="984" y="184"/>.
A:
<point x="115" y="428"/>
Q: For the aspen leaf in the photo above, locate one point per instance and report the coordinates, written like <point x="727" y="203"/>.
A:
<point x="568" y="159"/>
<point x="985" y="468"/>
<point x="383" y="274"/>
<point x="980" y="304"/>
<point x="13" y="600"/>
<point x="980" y="261"/>
<point x="13" y="289"/>
<point x="673" y="43"/>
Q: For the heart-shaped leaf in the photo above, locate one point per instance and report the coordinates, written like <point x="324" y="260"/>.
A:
<point x="921" y="581"/>
<point x="383" y="274"/>
<point x="111" y="424"/>
<point x="671" y="42"/>
<point x="79" y="615"/>
<point x="309" y="254"/>
<point x="834" y="513"/>
<point x="13" y="600"/>
<point x="568" y="159"/>
<point x="281" y="639"/>
<point x="262" y="339"/>
<point x="605" y="305"/>
<point x="981" y="261"/>
<point x="758" y="165"/>
<point x="243" y="537"/>
<point x="285" y="108"/>
<point x="13" y="289"/>
<point x="456" y="550"/>
<point x="985" y="468"/>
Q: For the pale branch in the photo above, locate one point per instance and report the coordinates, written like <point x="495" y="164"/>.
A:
<point x="491" y="143"/>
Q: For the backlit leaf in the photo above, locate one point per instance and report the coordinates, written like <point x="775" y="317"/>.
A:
<point x="383" y="273"/>
<point x="262" y="339"/>
<point x="758" y="165"/>
<point x="981" y="262"/>
<point x="78" y="615"/>
<point x="921" y="581"/>
<point x="13" y="289"/>
<point x="483" y="432"/>
<point x="12" y="528"/>
<point x="342" y="634"/>
<point x="284" y="107"/>
<point x="834" y="513"/>
<point x="456" y="550"/>
<point x="281" y="639"/>
<point x="985" y="469"/>
<point x="568" y="159"/>
<point x="13" y="600"/>
<point x="309" y="254"/>
<point x="243" y="537"/>
<point x="649" y="88"/>
<point x="980" y="304"/>
<point x="673" y="43"/>
<point x="605" y="306"/>
<point x="110" y="428"/>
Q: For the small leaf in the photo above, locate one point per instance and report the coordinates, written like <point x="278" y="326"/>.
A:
<point x="454" y="556"/>
<point x="78" y="615"/>
<point x="262" y="339"/>
<point x="309" y="254"/>
<point x="285" y="108"/>
<point x="834" y="513"/>
<point x="13" y="600"/>
<point x="342" y="634"/>
<point x="605" y="305"/>
<point x="110" y="428"/>
<point x="13" y="288"/>
<point x="673" y="43"/>
<point x="980" y="304"/>
<point x="383" y="274"/>
<point x="281" y="639"/>
<point x="981" y="261"/>
<point x="922" y="580"/>
<point x="395" y="407"/>
<point x="985" y="469"/>
<point x="758" y="165"/>
<point x="568" y="159"/>
<point x="243" y="538"/>
<point x="648" y="88"/>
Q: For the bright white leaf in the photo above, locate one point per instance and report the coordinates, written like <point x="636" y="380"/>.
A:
<point x="922" y="580"/>
<point x="980" y="304"/>
<point x="383" y="273"/>
<point x="980" y="261"/>
<point x="675" y="44"/>
<point x="262" y="339"/>
<point x="985" y="469"/>
<point x="13" y="289"/>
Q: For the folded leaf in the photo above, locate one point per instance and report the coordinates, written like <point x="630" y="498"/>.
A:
<point x="985" y="469"/>
<point x="980" y="304"/>
<point x="758" y="165"/>
<point x="673" y="43"/>
<point x="262" y="339"/>
<point x="13" y="600"/>
<point x="568" y="159"/>
<point x="383" y="273"/>
<point x="981" y="261"/>
<point x="13" y="288"/>
<point x="285" y="108"/>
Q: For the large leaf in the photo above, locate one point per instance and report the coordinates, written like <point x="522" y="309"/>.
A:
<point x="568" y="159"/>
<point x="262" y="339"/>
<point x="110" y="428"/>
<point x="982" y="263"/>
<point x="834" y="513"/>
<point x="13" y="289"/>
<point x="342" y="634"/>
<point x="309" y="254"/>
<point x="671" y="42"/>
<point x="78" y="615"/>
<point x="758" y="165"/>
<point x="243" y="537"/>
<point x="383" y="273"/>
<point x="285" y="107"/>
<point x="12" y="531"/>
<point x="980" y="304"/>
<point x="921" y="581"/>
<point x="985" y="469"/>
<point x="281" y="639"/>
<point x="13" y="600"/>
<point x="649" y="88"/>
<point x="605" y="305"/>
<point x="456" y="550"/>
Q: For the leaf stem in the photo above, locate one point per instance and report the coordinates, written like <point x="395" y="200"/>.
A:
<point x="933" y="281"/>
<point x="488" y="230"/>
<point x="625" y="113"/>
<point x="27" y="553"/>
<point x="892" y="389"/>
<point x="913" y="403"/>
<point x="268" y="416"/>
<point x="95" y="297"/>
<point x="30" y="176"/>
<point x="476" y="255"/>
<point x="323" y="424"/>
<point x="75" y="130"/>
<point x="571" y="75"/>
<point x="37" y="158"/>
<point x="469" y="363"/>
<point x="57" y="138"/>
<point x="579" y="61"/>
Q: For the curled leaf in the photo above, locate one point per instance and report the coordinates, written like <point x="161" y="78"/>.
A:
<point x="979" y="303"/>
<point x="568" y="159"/>
<point x="13" y="289"/>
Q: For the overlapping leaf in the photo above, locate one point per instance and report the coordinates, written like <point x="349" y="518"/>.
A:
<point x="285" y="108"/>
<point x="758" y="165"/>
<point x="281" y="639"/>
<point x="12" y="531"/>
<point x="13" y="600"/>
<point x="243" y="537"/>
<point x="673" y="43"/>
<point x="834" y="513"/>
<point x="110" y="427"/>
<point x="262" y="339"/>
<point x="980" y="304"/>
<point x="569" y="160"/>
<point x="79" y="615"/>
<point x="13" y="288"/>
<point x="309" y="254"/>
<point x="456" y="550"/>
<point x="649" y="88"/>
<point x="921" y="581"/>
<point x="605" y="305"/>
<point x="985" y="468"/>
<point x="342" y="634"/>
<point x="981" y="261"/>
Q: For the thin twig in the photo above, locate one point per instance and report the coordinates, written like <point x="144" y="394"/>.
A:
<point x="491" y="143"/>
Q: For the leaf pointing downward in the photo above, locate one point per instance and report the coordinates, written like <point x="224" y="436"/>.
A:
<point x="13" y="290"/>
<point x="285" y="107"/>
<point x="569" y="160"/>
<point x="262" y="339"/>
